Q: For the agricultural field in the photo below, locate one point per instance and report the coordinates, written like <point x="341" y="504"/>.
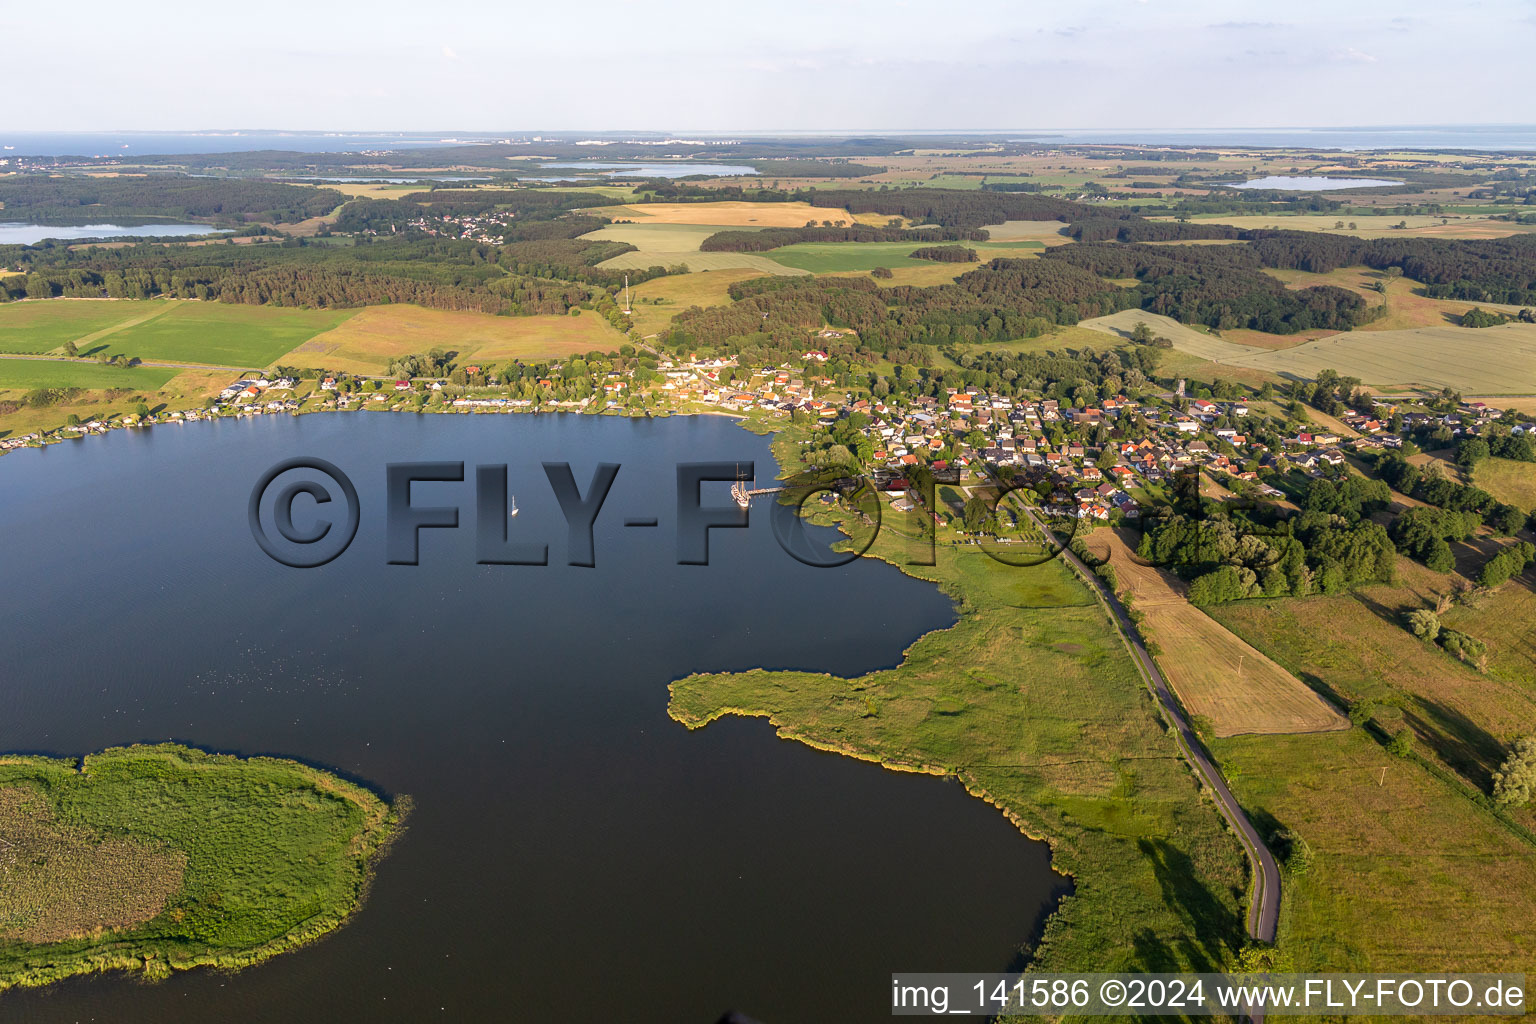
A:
<point x="1513" y="483"/>
<point x="1046" y="232"/>
<point x="1405" y="870"/>
<point x="658" y="300"/>
<point x="1356" y="647"/>
<point x="26" y="374"/>
<point x="1505" y="620"/>
<point x="220" y="334"/>
<point x="44" y="325"/>
<point x="669" y="245"/>
<point x="1185" y="339"/>
<point x="369" y="340"/>
<point x="1216" y="674"/>
<point x="164" y="858"/>
<point x="1405" y="308"/>
<point x="1374" y="225"/>
<point x="1488" y="361"/>
<point x="720" y="216"/>
<point x="834" y="257"/>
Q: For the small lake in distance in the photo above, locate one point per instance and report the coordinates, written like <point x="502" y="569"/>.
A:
<point x="13" y="233"/>
<point x="574" y="854"/>
<point x="1315" y="183"/>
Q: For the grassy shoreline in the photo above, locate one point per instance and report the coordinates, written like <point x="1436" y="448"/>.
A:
<point x="245" y="858"/>
<point x="1031" y="702"/>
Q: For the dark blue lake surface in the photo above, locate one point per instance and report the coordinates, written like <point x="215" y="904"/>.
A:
<point x="574" y="853"/>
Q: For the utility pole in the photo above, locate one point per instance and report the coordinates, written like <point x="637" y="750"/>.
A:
<point x="626" y="295"/>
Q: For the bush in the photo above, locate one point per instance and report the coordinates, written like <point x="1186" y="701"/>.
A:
<point x="1402" y="743"/>
<point x="1515" y="782"/>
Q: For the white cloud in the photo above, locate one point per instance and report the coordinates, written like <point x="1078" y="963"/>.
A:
<point x="1354" y="56"/>
<point x="449" y="52"/>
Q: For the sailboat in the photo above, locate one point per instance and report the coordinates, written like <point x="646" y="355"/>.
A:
<point x="513" y="499"/>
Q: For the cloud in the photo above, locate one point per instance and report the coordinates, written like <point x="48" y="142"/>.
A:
<point x="1353" y="56"/>
<point x="449" y="52"/>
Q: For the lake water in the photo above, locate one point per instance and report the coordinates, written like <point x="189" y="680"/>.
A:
<point x="651" y="170"/>
<point x="12" y="233"/>
<point x="1318" y="183"/>
<point x="574" y="853"/>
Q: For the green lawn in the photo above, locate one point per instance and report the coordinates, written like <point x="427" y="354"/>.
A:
<point x="830" y="257"/>
<point x="25" y="374"/>
<point x="42" y="326"/>
<point x="222" y="334"/>
<point x="193" y="859"/>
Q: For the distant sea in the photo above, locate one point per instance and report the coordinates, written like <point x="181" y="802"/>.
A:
<point x="1500" y="137"/>
<point x="171" y="143"/>
<point x="129" y="143"/>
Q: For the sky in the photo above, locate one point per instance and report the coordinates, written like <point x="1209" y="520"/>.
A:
<point x="725" y="65"/>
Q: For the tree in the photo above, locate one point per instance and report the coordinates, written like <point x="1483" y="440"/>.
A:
<point x="1402" y="743"/>
<point x="1515" y="782"/>
<point x="1424" y="624"/>
<point x="1141" y="333"/>
<point x="71" y="350"/>
<point x="976" y="514"/>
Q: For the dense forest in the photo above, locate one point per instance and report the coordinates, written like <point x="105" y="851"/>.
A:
<point x="439" y="273"/>
<point x="1220" y="286"/>
<point x="998" y="301"/>
<point x="61" y="200"/>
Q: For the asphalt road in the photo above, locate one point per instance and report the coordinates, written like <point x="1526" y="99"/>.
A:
<point x="1264" y="907"/>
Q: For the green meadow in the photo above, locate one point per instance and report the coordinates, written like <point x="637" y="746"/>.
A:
<point x="44" y="325"/>
<point x="220" y="334"/>
<point x="831" y="257"/>
<point x="26" y="374"/>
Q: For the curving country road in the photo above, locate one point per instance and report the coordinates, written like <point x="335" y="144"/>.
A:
<point x="1264" y="907"/>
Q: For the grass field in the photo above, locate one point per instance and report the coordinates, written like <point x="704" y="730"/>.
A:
<point x="370" y="339"/>
<point x="1355" y="646"/>
<point x="677" y="292"/>
<point x="1032" y="703"/>
<point x="219" y="333"/>
<point x="833" y="257"/>
<point x="165" y="858"/>
<point x="1215" y="674"/>
<point x="1513" y="483"/>
<point x="26" y="374"/>
<point x="1186" y="339"/>
<point x="44" y="325"/>
<point x="1406" y="874"/>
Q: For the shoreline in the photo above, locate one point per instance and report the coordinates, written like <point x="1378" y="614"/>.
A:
<point x="158" y="957"/>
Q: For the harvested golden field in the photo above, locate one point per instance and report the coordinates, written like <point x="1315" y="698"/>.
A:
<point x="1376" y="226"/>
<point x="676" y="293"/>
<point x="1216" y="674"/>
<point x="731" y="214"/>
<point x="1186" y="339"/>
<point x="1047" y="232"/>
<point x="367" y="342"/>
<point x="671" y="245"/>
